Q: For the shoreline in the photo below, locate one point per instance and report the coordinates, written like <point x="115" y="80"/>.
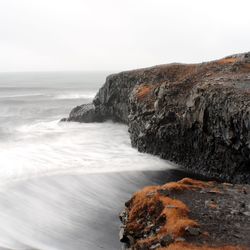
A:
<point x="189" y="215"/>
<point x="196" y="115"/>
<point x="78" y="206"/>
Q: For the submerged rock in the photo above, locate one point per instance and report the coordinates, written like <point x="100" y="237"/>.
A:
<point x="197" y="115"/>
<point x="189" y="223"/>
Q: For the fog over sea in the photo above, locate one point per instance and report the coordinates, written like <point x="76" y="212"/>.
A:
<point x="62" y="185"/>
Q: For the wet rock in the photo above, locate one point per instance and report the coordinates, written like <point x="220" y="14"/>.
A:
<point x="84" y="113"/>
<point x="164" y="192"/>
<point x="122" y="236"/>
<point x="247" y="213"/>
<point x="123" y="217"/>
<point x="155" y="246"/>
<point x="166" y="240"/>
<point x="130" y="240"/>
<point x="196" y="115"/>
<point x="193" y="231"/>
<point x="126" y="238"/>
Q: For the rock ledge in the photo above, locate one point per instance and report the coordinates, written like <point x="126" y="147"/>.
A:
<point x="188" y="214"/>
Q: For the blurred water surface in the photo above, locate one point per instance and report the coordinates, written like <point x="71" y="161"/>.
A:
<point x="62" y="185"/>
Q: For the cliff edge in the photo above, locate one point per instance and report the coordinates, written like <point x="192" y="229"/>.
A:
<point x="197" y="115"/>
<point x="188" y="214"/>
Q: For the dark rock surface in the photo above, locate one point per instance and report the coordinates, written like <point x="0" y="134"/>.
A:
<point x="196" y="215"/>
<point x="84" y="113"/>
<point x="197" y="115"/>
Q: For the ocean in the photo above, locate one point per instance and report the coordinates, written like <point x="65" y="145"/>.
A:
<point x="62" y="185"/>
<point x="33" y="142"/>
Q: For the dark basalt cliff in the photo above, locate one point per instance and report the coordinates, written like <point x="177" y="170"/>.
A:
<point x="197" y="115"/>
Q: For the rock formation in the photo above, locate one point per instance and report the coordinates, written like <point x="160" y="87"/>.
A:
<point x="197" y="115"/>
<point x="186" y="215"/>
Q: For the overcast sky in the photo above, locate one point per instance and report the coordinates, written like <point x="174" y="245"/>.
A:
<point x="40" y="35"/>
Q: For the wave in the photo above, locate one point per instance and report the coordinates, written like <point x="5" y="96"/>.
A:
<point x="68" y="211"/>
<point x="87" y="95"/>
<point x="45" y="148"/>
<point x="21" y="95"/>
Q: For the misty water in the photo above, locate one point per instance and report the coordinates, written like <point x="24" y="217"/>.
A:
<point x="62" y="185"/>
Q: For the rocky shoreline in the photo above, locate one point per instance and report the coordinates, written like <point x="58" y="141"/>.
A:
<point x="188" y="214"/>
<point x="197" y="115"/>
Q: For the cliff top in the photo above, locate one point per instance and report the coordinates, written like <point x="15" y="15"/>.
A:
<point x="239" y="57"/>
<point x="227" y="67"/>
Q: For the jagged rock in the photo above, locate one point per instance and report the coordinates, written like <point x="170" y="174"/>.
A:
<point x="193" y="231"/>
<point x="196" y="115"/>
<point x="167" y="240"/>
<point x="84" y="113"/>
<point x="155" y="246"/>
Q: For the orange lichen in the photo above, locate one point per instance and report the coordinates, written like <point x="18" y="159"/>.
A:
<point x="176" y="213"/>
<point x="188" y="246"/>
<point x="189" y="181"/>
<point x="186" y="184"/>
<point x="150" y="201"/>
<point x="143" y="91"/>
<point x="215" y="191"/>
<point x="152" y="207"/>
<point x="228" y="60"/>
<point x="142" y="198"/>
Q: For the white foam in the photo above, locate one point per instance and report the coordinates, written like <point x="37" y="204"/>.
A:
<point x="63" y="96"/>
<point x="21" y="95"/>
<point x="50" y="147"/>
<point x="85" y="95"/>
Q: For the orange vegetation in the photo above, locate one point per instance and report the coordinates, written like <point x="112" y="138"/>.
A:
<point x="153" y="206"/>
<point x="216" y="191"/>
<point x="176" y="213"/>
<point x="186" y="246"/>
<point x="228" y="60"/>
<point x="144" y="203"/>
<point x="143" y="91"/>
<point x="186" y="184"/>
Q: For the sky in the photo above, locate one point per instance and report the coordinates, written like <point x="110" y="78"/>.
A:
<point x="113" y="35"/>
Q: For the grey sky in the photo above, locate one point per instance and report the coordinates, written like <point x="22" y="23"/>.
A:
<point x="37" y="35"/>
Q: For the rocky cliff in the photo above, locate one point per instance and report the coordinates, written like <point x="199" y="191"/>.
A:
<point x="197" y="115"/>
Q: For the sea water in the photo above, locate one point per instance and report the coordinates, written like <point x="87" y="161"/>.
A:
<point x="34" y="142"/>
<point x="63" y="184"/>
